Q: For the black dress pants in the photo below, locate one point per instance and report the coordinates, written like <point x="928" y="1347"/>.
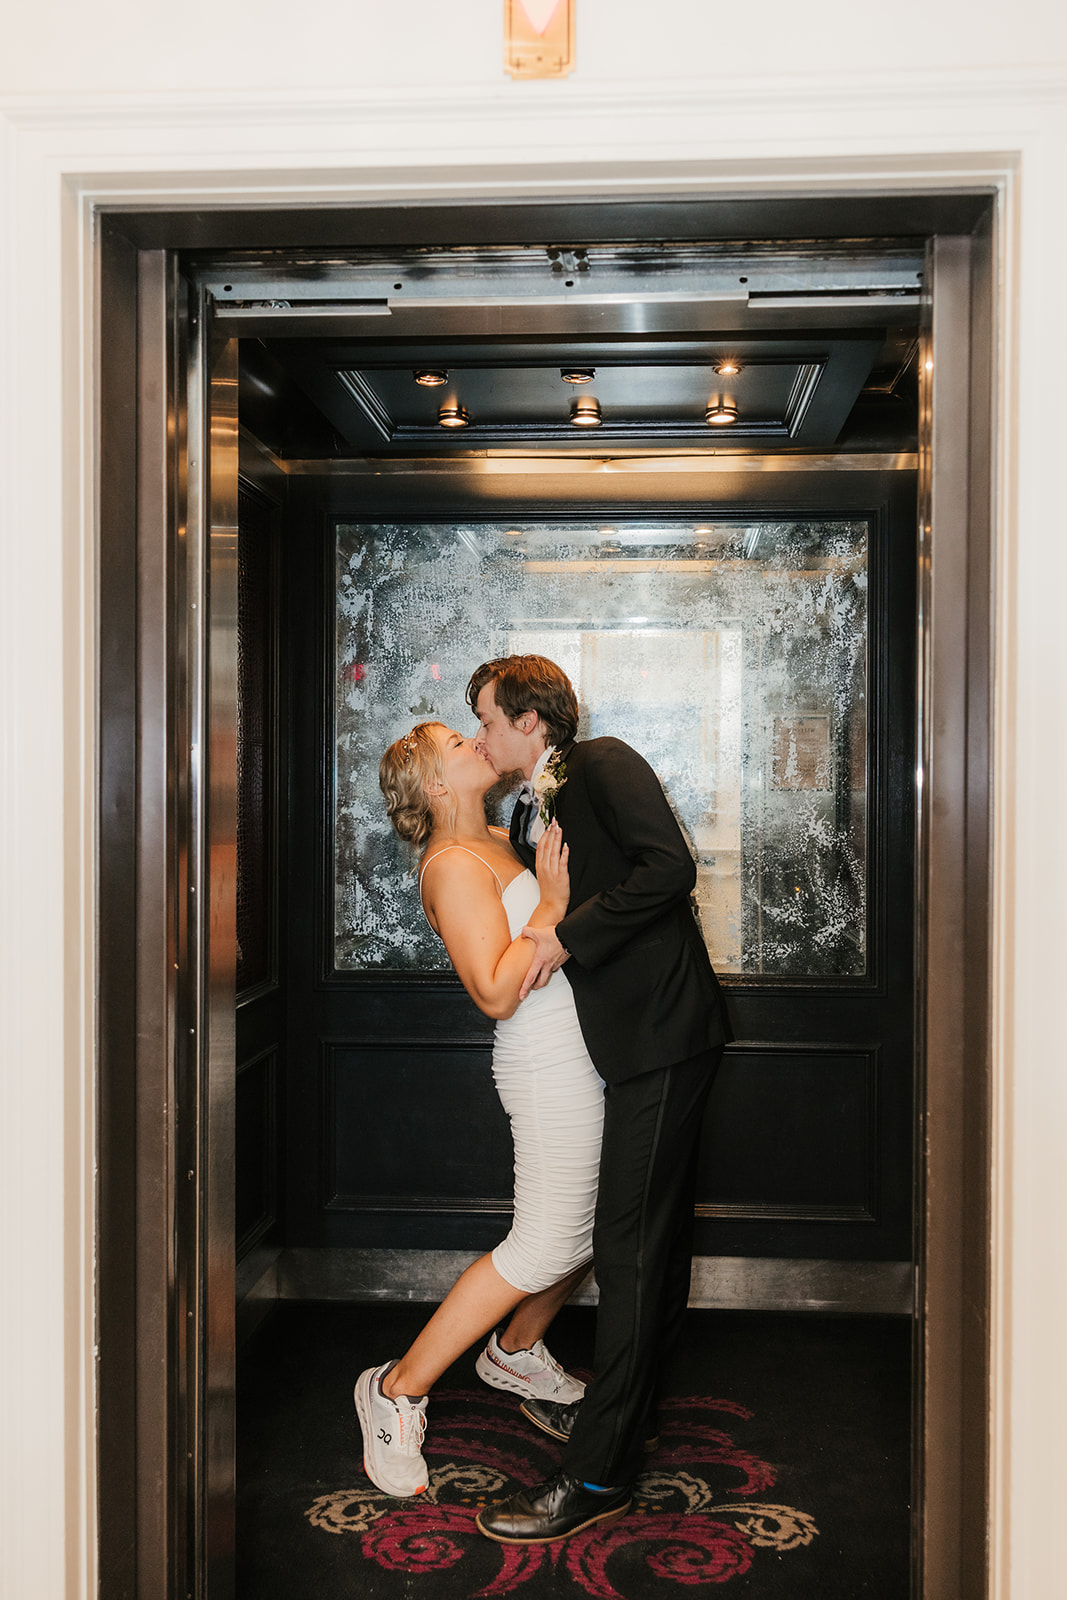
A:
<point x="642" y="1256"/>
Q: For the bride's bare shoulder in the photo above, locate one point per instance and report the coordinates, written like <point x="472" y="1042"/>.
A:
<point x="459" y="860"/>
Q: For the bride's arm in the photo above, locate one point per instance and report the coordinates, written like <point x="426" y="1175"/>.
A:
<point x="464" y="905"/>
<point x="554" y="881"/>
<point x="553" y="878"/>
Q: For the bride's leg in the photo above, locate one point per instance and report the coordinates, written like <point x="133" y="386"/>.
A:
<point x="476" y="1302"/>
<point x="533" y="1316"/>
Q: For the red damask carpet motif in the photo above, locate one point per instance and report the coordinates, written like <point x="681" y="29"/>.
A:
<point x="700" y="1514"/>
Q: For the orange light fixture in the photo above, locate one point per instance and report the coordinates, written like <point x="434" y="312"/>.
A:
<point x="720" y="416"/>
<point x="585" y="412"/>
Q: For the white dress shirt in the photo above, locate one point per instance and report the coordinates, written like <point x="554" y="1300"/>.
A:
<point x="535" y="827"/>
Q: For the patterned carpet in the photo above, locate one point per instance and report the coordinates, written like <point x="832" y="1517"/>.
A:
<point x="782" y="1470"/>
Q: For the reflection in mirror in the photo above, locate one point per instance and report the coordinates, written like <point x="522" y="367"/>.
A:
<point x="733" y="656"/>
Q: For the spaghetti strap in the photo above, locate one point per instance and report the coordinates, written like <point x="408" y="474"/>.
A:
<point x="462" y="847"/>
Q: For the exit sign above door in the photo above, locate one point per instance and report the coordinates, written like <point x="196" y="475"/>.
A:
<point x="539" y="38"/>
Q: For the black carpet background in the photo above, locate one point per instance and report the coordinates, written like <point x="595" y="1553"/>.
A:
<point x="805" y="1414"/>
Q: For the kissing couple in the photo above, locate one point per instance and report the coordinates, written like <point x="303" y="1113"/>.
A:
<point x="576" y="933"/>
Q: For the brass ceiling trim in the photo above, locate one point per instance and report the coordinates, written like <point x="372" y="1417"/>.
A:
<point x="466" y="465"/>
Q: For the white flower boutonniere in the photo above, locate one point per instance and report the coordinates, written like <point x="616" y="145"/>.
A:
<point x="547" y="784"/>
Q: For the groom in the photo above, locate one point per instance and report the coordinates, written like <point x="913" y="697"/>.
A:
<point x="651" y="1012"/>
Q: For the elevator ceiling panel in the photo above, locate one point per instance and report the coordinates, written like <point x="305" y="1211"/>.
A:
<point x="679" y="346"/>
<point x="798" y="393"/>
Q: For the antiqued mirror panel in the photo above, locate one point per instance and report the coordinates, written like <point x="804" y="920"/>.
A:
<point x="733" y="655"/>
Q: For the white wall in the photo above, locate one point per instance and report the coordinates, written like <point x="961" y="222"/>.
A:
<point x="122" y="45"/>
<point x="323" y="102"/>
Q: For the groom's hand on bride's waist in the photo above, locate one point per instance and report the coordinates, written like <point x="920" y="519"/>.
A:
<point x="549" y="956"/>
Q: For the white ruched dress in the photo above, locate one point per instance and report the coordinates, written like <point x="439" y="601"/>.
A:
<point x="554" y="1098"/>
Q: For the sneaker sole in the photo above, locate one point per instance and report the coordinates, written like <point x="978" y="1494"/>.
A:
<point x="365" y="1428"/>
<point x="554" y="1538"/>
<point x="496" y="1379"/>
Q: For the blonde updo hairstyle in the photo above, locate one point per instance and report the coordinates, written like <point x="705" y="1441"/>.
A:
<point x="406" y="773"/>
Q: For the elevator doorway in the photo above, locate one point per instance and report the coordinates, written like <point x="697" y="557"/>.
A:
<point x="714" y="494"/>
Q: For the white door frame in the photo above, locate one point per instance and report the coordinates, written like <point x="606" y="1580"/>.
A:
<point x="63" y="161"/>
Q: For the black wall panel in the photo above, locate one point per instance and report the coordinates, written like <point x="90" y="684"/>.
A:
<point x="792" y="1134"/>
<point x="411" y="1127"/>
<point x="257" y="1167"/>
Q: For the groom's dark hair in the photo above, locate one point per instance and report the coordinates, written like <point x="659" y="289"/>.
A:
<point x="530" y="683"/>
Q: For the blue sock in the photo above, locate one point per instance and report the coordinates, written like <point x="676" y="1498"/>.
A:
<point x="597" y="1488"/>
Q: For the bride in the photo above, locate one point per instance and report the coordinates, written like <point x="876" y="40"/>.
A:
<point x="478" y="897"/>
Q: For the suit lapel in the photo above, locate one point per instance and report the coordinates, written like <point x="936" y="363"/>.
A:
<point x="527" y="856"/>
<point x="565" y="754"/>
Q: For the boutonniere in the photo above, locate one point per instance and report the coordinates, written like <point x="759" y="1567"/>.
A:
<point x="547" y="784"/>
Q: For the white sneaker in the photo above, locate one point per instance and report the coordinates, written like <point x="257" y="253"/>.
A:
<point x="392" y="1435"/>
<point x="527" y="1372"/>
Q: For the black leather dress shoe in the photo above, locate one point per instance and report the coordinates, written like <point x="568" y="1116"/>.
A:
<point x="551" y="1417"/>
<point x="551" y="1511"/>
<point x="558" y="1420"/>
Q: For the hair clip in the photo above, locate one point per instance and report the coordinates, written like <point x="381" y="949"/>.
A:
<point x="409" y="744"/>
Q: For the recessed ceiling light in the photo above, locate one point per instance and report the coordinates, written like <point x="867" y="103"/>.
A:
<point x="719" y="416"/>
<point x="727" y="368"/>
<point x="430" y="377"/>
<point x="585" y="412"/>
<point x="453" y="417"/>
<point x="513" y="533"/>
<point x="577" y="374"/>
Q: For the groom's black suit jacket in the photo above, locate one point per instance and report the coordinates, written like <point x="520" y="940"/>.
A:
<point x="643" y="985"/>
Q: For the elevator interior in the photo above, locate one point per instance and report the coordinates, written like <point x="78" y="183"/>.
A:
<point x="691" y="396"/>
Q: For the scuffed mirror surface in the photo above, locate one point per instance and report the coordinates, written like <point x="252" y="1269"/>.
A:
<point x="732" y="655"/>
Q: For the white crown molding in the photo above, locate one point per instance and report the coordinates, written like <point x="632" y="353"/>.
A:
<point x="949" y="89"/>
<point x="755" y="135"/>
